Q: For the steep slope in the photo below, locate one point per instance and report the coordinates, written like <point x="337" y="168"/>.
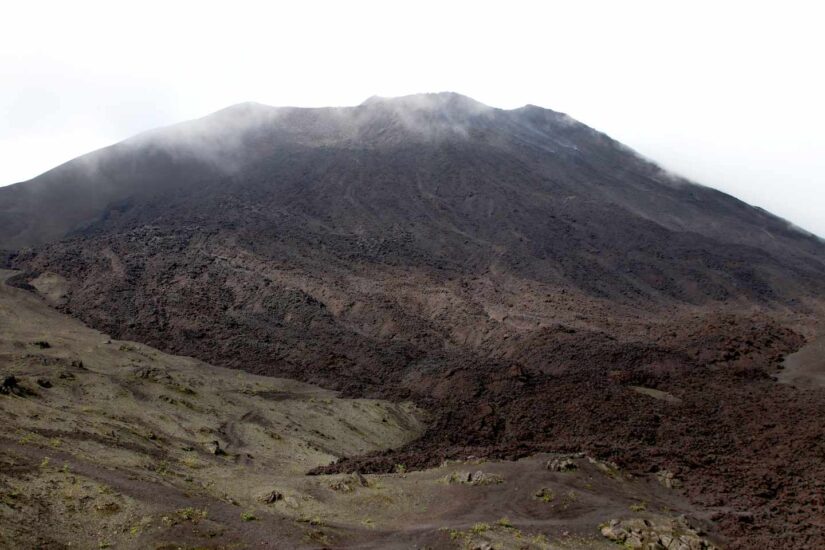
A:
<point x="515" y="272"/>
<point x="473" y="162"/>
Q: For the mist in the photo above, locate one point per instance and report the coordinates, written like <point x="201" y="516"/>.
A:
<point x="725" y="95"/>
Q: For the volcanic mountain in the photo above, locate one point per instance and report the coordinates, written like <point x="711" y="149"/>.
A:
<point x="517" y="273"/>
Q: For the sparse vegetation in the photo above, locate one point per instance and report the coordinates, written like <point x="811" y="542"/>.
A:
<point x="191" y="514"/>
<point x="540" y="539"/>
<point x="480" y="527"/>
<point x="140" y="443"/>
<point x="192" y="463"/>
<point x="638" y="507"/>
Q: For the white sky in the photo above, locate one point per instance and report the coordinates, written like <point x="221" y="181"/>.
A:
<point x="728" y="93"/>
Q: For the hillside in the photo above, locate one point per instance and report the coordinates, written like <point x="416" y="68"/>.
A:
<point x="109" y="443"/>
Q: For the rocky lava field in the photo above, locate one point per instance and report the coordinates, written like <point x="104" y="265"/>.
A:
<point x="532" y="284"/>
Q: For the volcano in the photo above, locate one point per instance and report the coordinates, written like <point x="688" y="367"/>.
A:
<point x="532" y="283"/>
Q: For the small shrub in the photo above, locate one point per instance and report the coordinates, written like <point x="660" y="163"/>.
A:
<point x="540" y="539"/>
<point x="479" y="528"/>
<point x="192" y="514"/>
<point x="505" y="522"/>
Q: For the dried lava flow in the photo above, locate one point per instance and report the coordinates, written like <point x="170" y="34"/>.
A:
<point x="744" y="445"/>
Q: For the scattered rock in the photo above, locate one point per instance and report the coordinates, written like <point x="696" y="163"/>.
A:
<point x="349" y="483"/>
<point x="151" y="373"/>
<point x="271" y="497"/>
<point x="11" y="386"/>
<point x="474" y="478"/>
<point x="610" y="469"/>
<point x="42" y="344"/>
<point x="44" y="383"/>
<point x="562" y="464"/>
<point x="657" y="534"/>
<point x="464" y="477"/>
<point x="668" y="479"/>
<point x="214" y="447"/>
<point x="341" y="485"/>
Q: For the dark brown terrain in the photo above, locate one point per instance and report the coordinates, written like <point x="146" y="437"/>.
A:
<point x="531" y="283"/>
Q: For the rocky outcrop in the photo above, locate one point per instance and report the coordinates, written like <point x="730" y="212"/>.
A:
<point x="474" y="478"/>
<point x="668" y="479"/>
<point x="561" y="464"/>
<point x="656" y="534"/>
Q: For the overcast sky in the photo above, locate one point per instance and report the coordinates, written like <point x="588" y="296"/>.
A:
<point x="727" y="93"/>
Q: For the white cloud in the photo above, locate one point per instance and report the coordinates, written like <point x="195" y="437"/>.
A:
<point x="728" y="93"/>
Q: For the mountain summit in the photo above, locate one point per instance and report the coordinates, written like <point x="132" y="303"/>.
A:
<point x="554" y="159"/>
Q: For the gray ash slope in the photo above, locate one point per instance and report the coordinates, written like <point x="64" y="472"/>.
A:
<point x="435" y="175"/>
